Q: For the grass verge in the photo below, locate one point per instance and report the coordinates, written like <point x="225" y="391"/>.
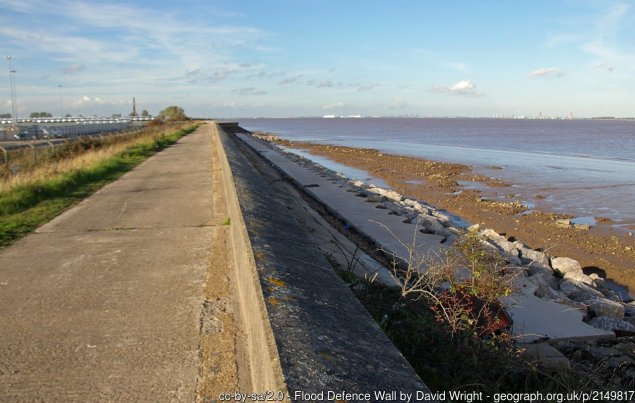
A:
<point x="27" y="206"/>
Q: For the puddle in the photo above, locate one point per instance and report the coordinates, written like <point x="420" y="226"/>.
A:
<point x="588" y="220"/>
<point x="350" y="172"/>
<point x="621" y="289"/>
<point x="458" y="221"/>
<point x="530" y="205"/>
<point x="415" y="182"/>
<point x="472" y="185"/>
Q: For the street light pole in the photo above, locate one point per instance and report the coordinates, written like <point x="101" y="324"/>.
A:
<point x="14" y="108"/>
<point x="61" y="101"/>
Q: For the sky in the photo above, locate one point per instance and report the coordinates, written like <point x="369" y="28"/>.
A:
<point x="288" y="58"/>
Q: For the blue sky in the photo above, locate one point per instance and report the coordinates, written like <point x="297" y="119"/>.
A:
<point x="280" y="58"/>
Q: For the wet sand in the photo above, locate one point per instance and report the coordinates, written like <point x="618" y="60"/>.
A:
<point x="600" y="249"/>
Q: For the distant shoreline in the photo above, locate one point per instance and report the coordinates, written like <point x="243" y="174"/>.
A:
<point x="610" y="118"/>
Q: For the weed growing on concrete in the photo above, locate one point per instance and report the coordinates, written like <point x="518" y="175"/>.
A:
<point x="351" y="259"/>
<point x="227" y="221"/>
<point x="462" y="285"/>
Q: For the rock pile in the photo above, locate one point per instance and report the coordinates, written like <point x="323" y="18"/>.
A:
<point x="561" y="280"/>
<point x="613" y="361"/>
<point x="269" y="137"/>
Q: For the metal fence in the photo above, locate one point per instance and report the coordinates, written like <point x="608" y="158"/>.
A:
<point x="39" y="146"/>
<point x="56" y="130"/>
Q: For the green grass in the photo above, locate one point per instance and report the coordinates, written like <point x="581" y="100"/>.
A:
<point x="27" y="207"/>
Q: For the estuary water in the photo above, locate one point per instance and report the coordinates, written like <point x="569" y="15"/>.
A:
<point x="581" y="167"/>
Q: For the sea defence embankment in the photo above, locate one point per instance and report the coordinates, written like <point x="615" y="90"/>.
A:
<point x="389" y="220"/>
<point x="556" y="304"/>
<point x="302" y="323"/>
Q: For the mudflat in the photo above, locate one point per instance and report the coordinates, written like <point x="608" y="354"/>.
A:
<point x="599" y="249"/>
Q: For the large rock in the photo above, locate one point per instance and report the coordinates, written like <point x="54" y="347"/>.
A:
<point x="528" y="256"/>
<point x="564" y="265"/>
<point x="597" y="353"/>
<point x="418" y="207"/>
<point x="546" y="286"/>
<point x="538" y="268"/>
<point x="580" y="277"/>
<point x="564" y="223"/>
<point x="374" y="198"/>
<point x="493" y="235"/>
<point x="546" y="355"/>
<point x="556" y="296"/>
<point x="455" y="230"/>
<point x="500" y="242"/>
<point x="441" y="216"/>
<point x="535" y="318"/>
<point x="612" y="295"/>
<point x="574" y="304"/>
<point x="611" y="324"/>
<point x="431" y="225"/>
<point x="358" y="184"/>
<point x="629" y="309"/>
<point x="579" y="291"/>
<point x="508" y="247"/>
<point x="388" y="194"/>
<point x="605" y="307"/>
<point x="474" y="228"/>
<point x="510" y="255"/>
<point x="513" y="260"/>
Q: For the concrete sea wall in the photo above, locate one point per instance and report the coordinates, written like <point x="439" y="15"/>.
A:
<point x="324" y="339"/>
<point x="264" y="372"/>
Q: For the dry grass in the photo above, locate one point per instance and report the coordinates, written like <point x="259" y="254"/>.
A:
<point x="49" y="181"/>
<point x="49" y="163"/>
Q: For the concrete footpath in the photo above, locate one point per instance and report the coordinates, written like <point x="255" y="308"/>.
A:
<point x="105" y="302"/>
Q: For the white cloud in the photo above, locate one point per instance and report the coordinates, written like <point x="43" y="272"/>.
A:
<point x="290" y="80"/>
<point x="86" y="100"/>
<point x="249" y="91"/>
<point x="463" y="88"/>
<point x="597" y="36"/>
<point x="607" y="57"/>
<point x="73" y="69"/>
<point x="609" y="22"/>
<point x="334" y="105"/>
<point x="563" y="39"/>
<point x="547" y="72"/>
<point x="124" y="42"/>
<point x="367" y="87"/>
<point x="456" y="66"/>
<point x="325" y="84"/>
<point x="18" y="5"/>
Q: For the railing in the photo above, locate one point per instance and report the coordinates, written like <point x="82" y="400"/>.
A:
<point x="15" y="154"/>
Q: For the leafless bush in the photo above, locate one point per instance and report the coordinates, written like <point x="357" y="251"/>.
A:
<point x="462" y="284"/>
